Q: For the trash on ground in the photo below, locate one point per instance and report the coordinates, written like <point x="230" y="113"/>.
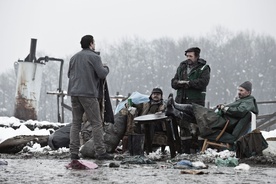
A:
<point x="137" y="160"/>
<point x="188" y="164"/>
<point x="3" y="162"/>
<point x="113" y="164"/>
<point x="195" y="172"/>
<point x="242" y="166"/>
<point x="228" y="162"/>
<point x="81" y="165"/>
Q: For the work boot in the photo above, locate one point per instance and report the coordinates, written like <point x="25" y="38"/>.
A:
<point x="171" y="111"/>
<point x="105" y="156"/>
<point x="181" y="107"/>
<point x="186" y="146"/>
<point x="75" y="156"/>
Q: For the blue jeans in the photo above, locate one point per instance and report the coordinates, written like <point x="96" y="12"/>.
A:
<point x="92" y="109"/>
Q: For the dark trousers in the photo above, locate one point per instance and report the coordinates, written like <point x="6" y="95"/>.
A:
<point x="92" y="109"/>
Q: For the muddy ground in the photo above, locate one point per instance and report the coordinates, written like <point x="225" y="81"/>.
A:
<point x="50" y="169"/>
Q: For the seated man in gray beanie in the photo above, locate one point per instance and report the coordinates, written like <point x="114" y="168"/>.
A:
<point x="211" y="121"/>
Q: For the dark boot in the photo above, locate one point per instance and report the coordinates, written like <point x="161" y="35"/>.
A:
<point x="171" y="111"/>
<point x="75" y="156"/>
<point x="125" y="143"/>
<point x="186" y="146"/>
<point x="181" y="107"/>
<point x="105" y="156"/>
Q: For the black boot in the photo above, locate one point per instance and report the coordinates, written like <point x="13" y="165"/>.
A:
<point x="171" y="111"/>
<point x="181" y="107"/>
<point x="186" y="146"/>
<point x="179" y="110"/>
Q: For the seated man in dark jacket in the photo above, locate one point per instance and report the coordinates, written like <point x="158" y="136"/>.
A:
<point x="210" y="122"/>
<point x="153" y="106"/>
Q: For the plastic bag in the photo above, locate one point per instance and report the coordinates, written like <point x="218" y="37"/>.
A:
<point x="229" y="162"/>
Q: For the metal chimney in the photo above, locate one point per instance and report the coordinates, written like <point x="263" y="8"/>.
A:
<point x="29" y="79"/>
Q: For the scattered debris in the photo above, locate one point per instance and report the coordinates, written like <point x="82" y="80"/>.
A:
<point x="195" y="172"/>
<point x="113" y="164"/>
<point x="81" y="165"/>
<point x="228" y="162"/>
<point x="137" y="160"/>
<point x="242" y="166"/>
<point x="188" y="164"/>
<point x="3" y="162"/>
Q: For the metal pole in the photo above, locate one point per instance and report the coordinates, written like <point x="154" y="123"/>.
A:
<point x="32" y="50"/>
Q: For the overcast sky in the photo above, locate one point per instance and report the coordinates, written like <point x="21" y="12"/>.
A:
<point x="58" y="25"/>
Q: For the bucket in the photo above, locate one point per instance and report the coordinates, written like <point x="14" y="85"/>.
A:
<point x="136" y="144"/>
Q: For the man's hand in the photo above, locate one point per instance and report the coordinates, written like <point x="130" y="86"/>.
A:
<point x="183" y="82"/>
<point x="159" y="113"/>
<point x="220" y="106"/>
<point x="132" y="110"/>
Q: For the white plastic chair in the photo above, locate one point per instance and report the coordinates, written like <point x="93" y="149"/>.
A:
<point x="253" y="122"/>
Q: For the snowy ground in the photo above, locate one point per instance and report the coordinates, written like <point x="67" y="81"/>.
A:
<point x="49" y="169"/>
<point x="36" y="164"/>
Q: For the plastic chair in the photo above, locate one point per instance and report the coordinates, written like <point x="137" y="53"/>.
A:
<point x="253" y="122"/>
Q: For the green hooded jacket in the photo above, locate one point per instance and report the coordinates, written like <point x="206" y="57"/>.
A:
<point x="198" y="78"/>
<point x="238" y="113"/>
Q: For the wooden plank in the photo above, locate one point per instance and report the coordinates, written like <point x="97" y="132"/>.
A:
<point x="266" y="102"/>
<point x="266" y="124"/>
<point x="266" y="118"/>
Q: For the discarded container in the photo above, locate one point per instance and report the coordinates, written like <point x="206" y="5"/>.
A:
<point x="29" y="80"/>
<point x="136" y="144"/>
<point x="28" y="87"/>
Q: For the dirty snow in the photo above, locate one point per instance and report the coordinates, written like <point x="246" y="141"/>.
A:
<point x="36" y="164"/>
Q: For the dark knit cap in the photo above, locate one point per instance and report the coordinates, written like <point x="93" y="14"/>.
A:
<point x="247" y="86"/>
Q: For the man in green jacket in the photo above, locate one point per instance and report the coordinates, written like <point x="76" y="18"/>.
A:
<point x="210" y="122"/>
<point x="237" y="113"/>
<point x="190" y="81"/>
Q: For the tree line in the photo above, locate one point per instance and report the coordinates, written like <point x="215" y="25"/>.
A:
<point x="140" y="65"/>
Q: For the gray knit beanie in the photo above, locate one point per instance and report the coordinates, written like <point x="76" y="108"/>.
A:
<point x="247" y="85"/>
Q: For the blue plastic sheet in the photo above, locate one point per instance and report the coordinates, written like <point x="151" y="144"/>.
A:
<point x="136" y="98"/>
<point x="185" y="163"/>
